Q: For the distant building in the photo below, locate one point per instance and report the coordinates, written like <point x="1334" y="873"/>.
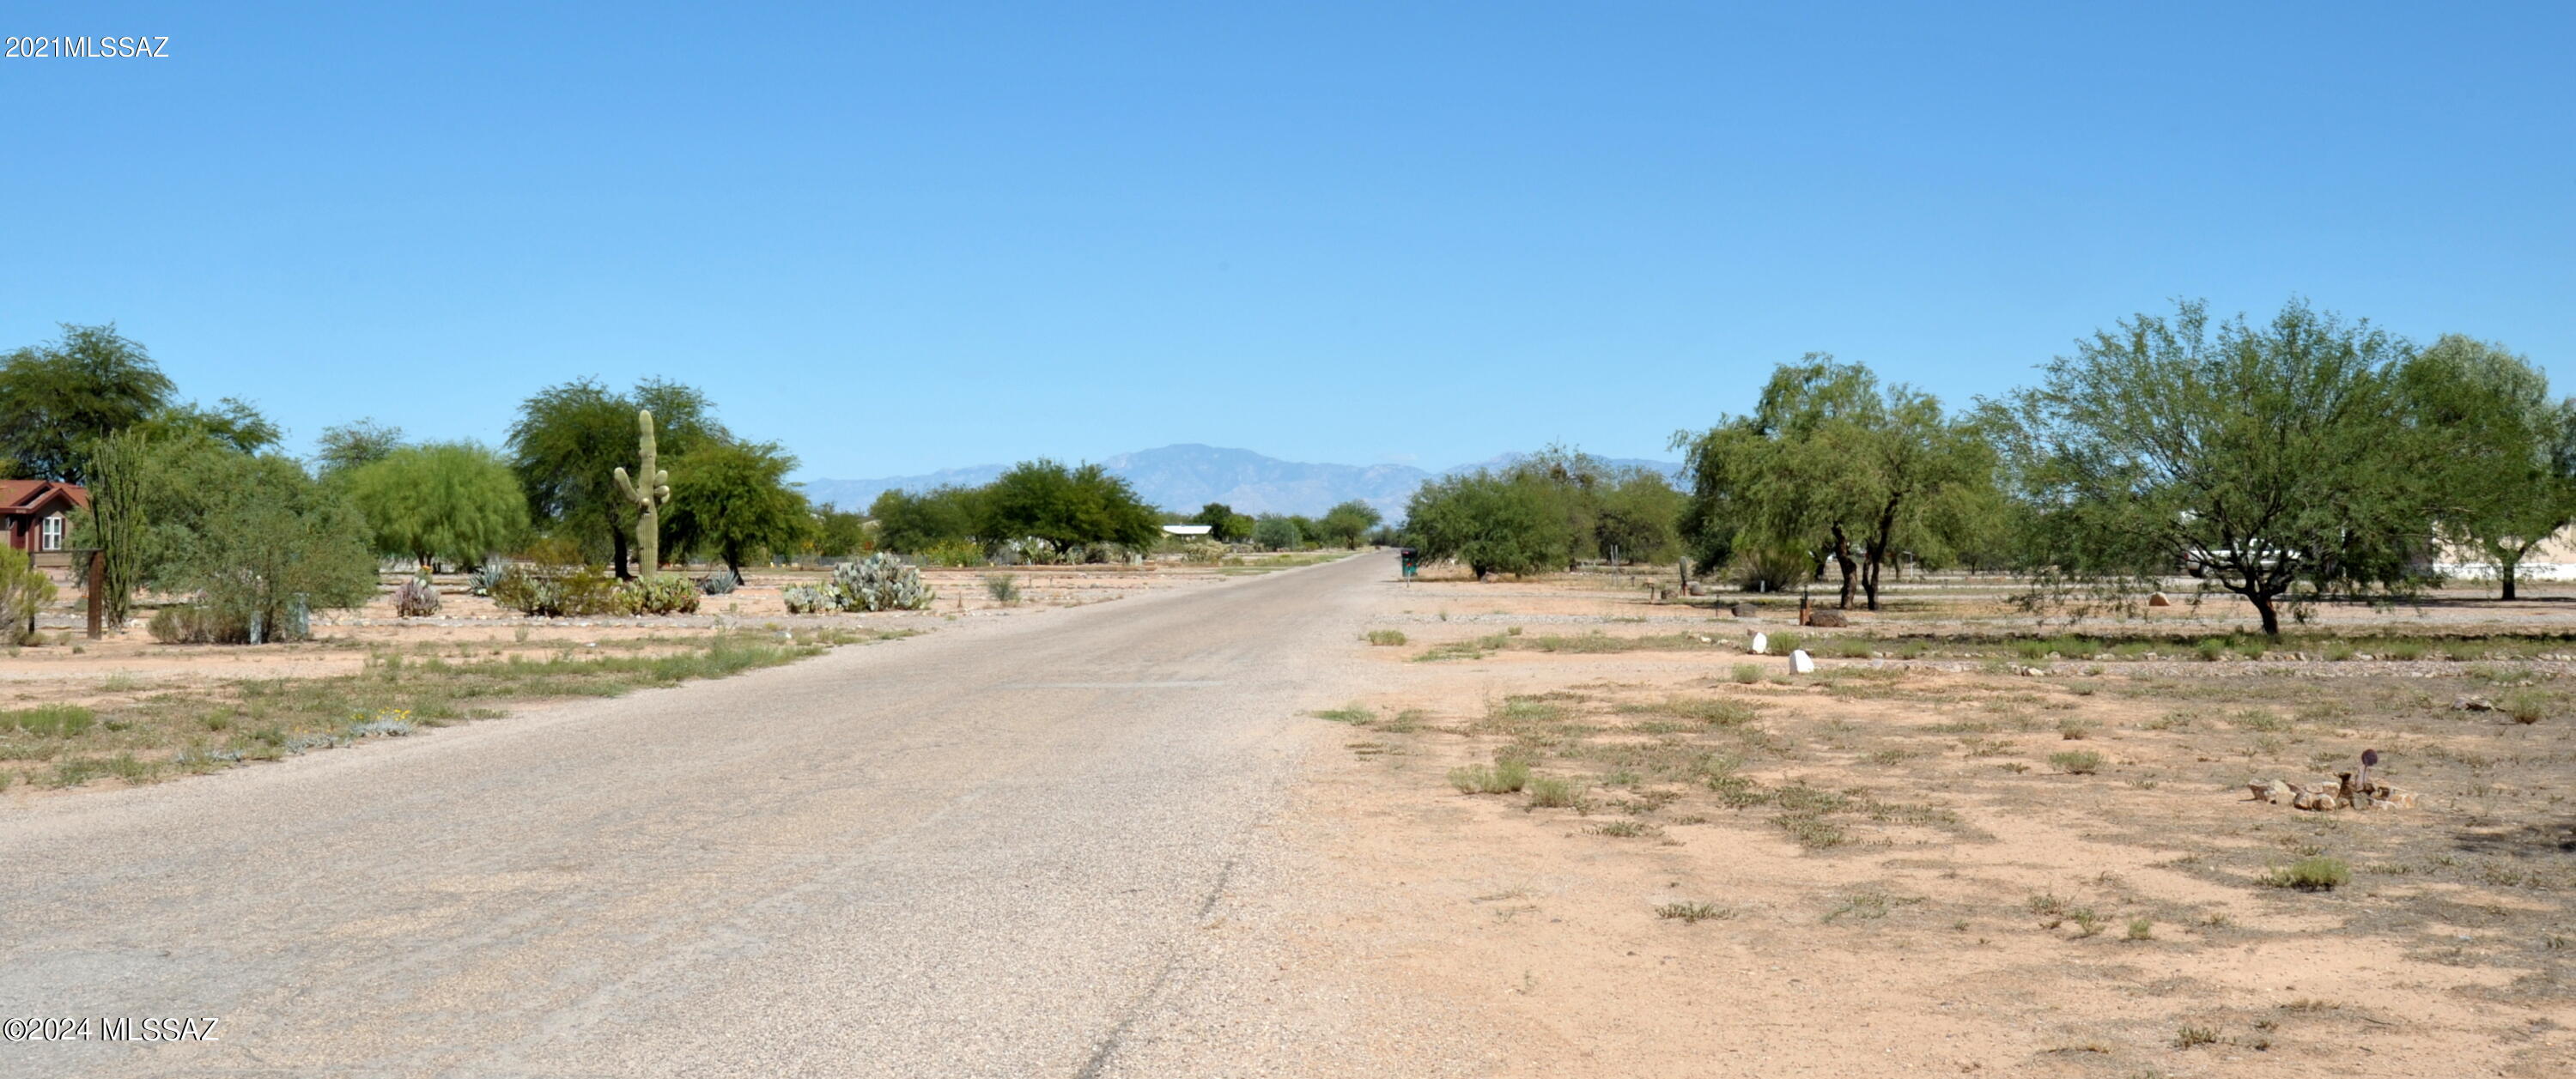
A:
<point x="37" y="517"/>
<point x="2552" y="559"/>
<point x="1188" y="530"/>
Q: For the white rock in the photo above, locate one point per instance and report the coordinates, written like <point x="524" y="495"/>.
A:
<point x="1761" y="645"/>
<point x="1801" y="663"/>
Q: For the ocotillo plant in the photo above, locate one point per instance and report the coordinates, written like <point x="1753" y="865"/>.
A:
<point x="648" y="498"/>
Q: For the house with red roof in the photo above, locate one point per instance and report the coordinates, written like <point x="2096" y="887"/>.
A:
<point x="36" y="517"/>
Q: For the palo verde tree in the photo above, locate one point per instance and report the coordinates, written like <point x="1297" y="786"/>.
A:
<point x="1224" y="525"/>
<point x="732" y="500"/>
<point x="57" y="398"/>
<point x="1830" y="461"/>
<point x="2279" y="462"/>
<point x="1349" y="523"/>
<point x="570" y="439"/>
<point x="2509" y="449"/>
<point x="454" y="502"/>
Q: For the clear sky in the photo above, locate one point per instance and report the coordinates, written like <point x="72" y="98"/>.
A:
<point x="904" y="237"/>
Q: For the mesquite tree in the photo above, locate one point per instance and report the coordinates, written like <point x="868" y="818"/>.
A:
<point x="2277" y="462"/>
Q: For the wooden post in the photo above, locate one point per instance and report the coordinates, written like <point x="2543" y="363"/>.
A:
<point x="97" y="594"/>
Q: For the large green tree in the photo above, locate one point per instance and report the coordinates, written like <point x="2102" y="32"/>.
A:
<point x="732" y="499"/>
<point x="2510" y="449"/>
<point x="1349" y="523"/>
<point x="2279" y="462"/>
<point x="1831" y="461"/>
<point x="912" y="523"/>
<point x="1224" y="525"/>
<point x="1065" y="508"/>
<point x="571" y="438"/>
<point x="1494" y="523"/>
<point x="454" y="502"/>
<point x="57" y="398"/>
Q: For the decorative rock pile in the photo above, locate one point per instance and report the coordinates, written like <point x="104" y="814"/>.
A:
<point x="2346" y="792"/>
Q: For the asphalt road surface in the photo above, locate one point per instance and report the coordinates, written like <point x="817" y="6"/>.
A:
<point x="975" y="853"/>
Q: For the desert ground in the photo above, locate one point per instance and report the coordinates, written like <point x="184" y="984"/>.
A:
<point x="1327" y="822"/>
<point x="1967" y="844"/>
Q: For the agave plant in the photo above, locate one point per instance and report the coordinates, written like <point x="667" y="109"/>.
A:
<point x="720" y="583"/>
<point x="487" y="575"/>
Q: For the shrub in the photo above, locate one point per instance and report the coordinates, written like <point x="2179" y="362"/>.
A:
<point x="720" y="583"/>
<point x="24" y="590"/>
<point x="1201" y="551"/>
<point x="1748" y="673"/>
<point x="1691" y="913"/>
<point x="416" y="597"/>
<point x="2082" y="762"/>
<point x="1003" y="587"/>
<point x="1505" y="777"/>
<point x="953" y="554"/>
<point x="1386" y="637"/>
<point x="1550" y="792"/>
<point x="2524" y="707"/>
<point x="880" y="582"/>
<point x="2317" y="872"/>
<point x="556" y="592"/>
<point x="190" y="623"/>
<point x="663" y="593"/>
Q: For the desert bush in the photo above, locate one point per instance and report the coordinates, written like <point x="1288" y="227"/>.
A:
<point x="558" y="592"/>
<point x="880" y="582"/>
<point x="1386" y="637"/>
<point x="2317" y="872"/>
<point x="1505" y="777"/>
<point x="663" y="593"/>
<point x="2525" y="707"/>
<point x="1003" y="587"/>
<point x="24" y="590"/>
<point x="2082" y="762"/>
<point x="1692" y="912"/>
<point x="1201" y="551"/>
<point x="416" y="597"/>
<point x="1552" y="793"/>
<point x="191" y="623"/>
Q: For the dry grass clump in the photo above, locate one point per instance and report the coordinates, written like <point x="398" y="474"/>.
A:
<point x="2314" y="873"/>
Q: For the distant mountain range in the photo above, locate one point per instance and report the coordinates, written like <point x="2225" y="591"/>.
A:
<point x="1187" y="476"/>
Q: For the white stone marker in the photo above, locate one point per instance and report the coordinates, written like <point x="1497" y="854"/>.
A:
<point x="1801" y="663"/>
<point x="1761" y="645"/>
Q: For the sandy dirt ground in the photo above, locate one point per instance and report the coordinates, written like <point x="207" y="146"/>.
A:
<point x="1879" y="870"/>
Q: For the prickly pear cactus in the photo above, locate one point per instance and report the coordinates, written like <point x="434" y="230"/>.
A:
<point x="880" y="582"/>
<point x="807" y="599"/>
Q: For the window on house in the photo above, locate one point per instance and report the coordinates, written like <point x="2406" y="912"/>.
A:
<point x="49" y="536"/>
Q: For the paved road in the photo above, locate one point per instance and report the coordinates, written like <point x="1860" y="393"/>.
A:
<point x="973" y="853"/>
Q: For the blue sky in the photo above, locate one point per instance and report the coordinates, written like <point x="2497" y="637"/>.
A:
<point x="898" y="238"/>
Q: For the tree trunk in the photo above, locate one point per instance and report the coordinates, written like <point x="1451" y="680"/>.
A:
<point x="733" y="564"/>
<point x="2271" y="615"/>
<point x="2512" y="567"/>
<point x="1843" y="561"/>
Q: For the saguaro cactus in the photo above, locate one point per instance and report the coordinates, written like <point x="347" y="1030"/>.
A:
<point x="648" y="497"/>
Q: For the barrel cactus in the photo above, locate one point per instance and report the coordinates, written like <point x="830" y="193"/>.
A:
<point x="880" y="582"/>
